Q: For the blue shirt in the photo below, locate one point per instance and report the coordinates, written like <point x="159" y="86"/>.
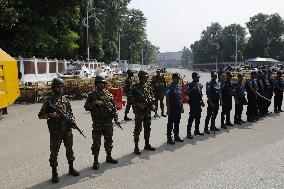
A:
<point x="173" y="91"/>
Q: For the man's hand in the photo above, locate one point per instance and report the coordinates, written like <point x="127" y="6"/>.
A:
<point x="182" y="110"/>
<point x="98" y="102"/>
<point x="202" y="103"/>
<point x="53" y="115"/>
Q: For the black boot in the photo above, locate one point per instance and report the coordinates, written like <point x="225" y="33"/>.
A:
<point x="163" y="115"/>
<point x="136" y="149"/>
<point x="109" y="159"/>
<point x="54" y="178"/>
<point x="170" y="140"/>
<point x="127" y="118"/>
<point x="197" y="132"/>
<point x="156" y="114"/>
<point x="189" y="135"/>
<point x="72" y="171"/>
<point x="178" y="139"/>
<point x="96" y="164"/>
<point x="148" y="146"/>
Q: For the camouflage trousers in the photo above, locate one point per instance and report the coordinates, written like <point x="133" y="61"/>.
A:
<point x="145" y="120"/>
<point x="129" y="104"/>
<point x="99" y="129"/>
<point x="56" y="139"/>
<point x="161" y="99"/>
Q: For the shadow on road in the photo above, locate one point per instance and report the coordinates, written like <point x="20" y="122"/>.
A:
<point x="126" y="160"/>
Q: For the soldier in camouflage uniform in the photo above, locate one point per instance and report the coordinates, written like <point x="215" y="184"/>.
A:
<point x="158" y="87"/>
<point x="142" y="106"/>
<point x="102" y="107"/>
<point x="128" y="92"/>
<point x="58" y="130"/>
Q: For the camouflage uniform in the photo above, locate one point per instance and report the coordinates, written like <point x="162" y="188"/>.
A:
<point x="158" y="86"/>
<point x="128" y="92"/>
<point x="102" y="117"/>
<point x="58" y="131"/>
<point x="142" y="106"/>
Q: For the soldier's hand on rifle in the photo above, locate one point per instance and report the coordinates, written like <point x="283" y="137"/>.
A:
<point x="53" y="115"/>
<point x="98" y="102"/>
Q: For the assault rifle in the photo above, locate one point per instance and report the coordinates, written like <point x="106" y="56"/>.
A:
<point x="147" y="102"/>
<point x="67" y="119"/>
<point x="109" y="107"/>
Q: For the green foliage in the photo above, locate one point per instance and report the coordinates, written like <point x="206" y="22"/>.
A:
<point x="266" y="40"/>
<point x="52" y="28"/>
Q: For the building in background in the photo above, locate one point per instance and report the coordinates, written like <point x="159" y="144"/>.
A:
<point x="169" y="59"/>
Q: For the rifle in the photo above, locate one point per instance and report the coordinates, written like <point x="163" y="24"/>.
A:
<point x="147" y="101"/>
<point x="67" y="119"/>
<point x="110" y="107"/>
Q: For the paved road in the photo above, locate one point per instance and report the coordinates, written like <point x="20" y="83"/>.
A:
<point x="247" y="156"/>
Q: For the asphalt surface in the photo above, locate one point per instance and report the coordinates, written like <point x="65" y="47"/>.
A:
<point x="244" y="156"/>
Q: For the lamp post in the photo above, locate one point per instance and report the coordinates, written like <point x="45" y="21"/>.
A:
<point x="85" y="22"/>
<point x="217" y="48"/>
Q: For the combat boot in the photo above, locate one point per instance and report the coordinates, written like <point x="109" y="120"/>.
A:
<point x="198" y="133"/>
<point x="54" y="178"/>
<point x="178" y="139"/>
<point x="189" y="136"/>
<point x="148" y="146"/>
<point x="109" y="159"/>
<point x="72" y="171"/>
<point x="96" y="164"/>
<point x="136" y="149"/>
<point x="170" y="140"/>
<point x="163" y="114"/>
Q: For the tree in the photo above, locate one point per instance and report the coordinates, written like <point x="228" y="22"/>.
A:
<point x="229" y="42"/>
<point x="266" y="36"/>
<point x="186" y="56"/>
<point x="205" y="50"/>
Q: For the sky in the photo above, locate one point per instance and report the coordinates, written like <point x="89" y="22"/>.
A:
<point x="173" y="24"/>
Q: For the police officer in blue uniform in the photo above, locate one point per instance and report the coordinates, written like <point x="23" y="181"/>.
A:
<point x="194" y="91"/>
<point x="174" y="109"/>
<point x="213" y="96"/>
<point x="240" y="100"/>
<point x="226" y="100"/>
<point x="251" y="88"/>
<point x="278" y="91"/>
<point x="260" y="101"/>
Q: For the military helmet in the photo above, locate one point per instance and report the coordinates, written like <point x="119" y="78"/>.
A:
<point x="130" y="72"/>
<point x="100" y="79"/>
<point x="175" y="75"/>
<point x="195" y="74"/>
<point x="143" y="73"/>
<point x="57" y="82"/>
<point x="213" y="73"/>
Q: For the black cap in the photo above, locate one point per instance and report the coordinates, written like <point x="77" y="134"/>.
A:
<point x="176" y="75"/>
<point x="100" y="79"/>
<point x="143" y="73"/>
<point x="195" y="74"/>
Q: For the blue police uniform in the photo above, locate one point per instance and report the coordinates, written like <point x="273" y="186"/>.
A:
<point x="252" y="98"/>
<point x="227" y="93"/>
<point x="195" y="102"/>
<point x="173" y="92"/>
<point x="278" y="91"/>
<point x="239" y="91"/>
<point x="213" y="92"/>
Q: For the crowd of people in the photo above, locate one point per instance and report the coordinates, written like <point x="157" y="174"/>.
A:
<point x="144" y="99"/>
